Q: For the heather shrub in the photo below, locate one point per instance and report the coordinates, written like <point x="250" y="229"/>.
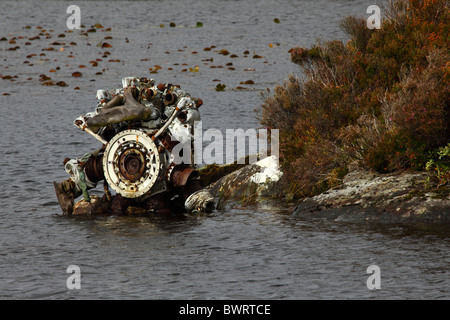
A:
<point x="420" y="107"/>
<point x="359" y="33"/>
<point x="394" y="151"/>
<point x="379" y="101"/>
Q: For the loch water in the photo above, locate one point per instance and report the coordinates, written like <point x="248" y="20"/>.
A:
<point x="254" y="252"/>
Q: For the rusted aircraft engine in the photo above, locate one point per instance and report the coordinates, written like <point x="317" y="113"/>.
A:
<point x="133" y="166"/>
<point x="138" y="125"/>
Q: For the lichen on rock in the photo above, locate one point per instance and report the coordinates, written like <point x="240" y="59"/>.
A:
<point x="251" y="183"/>
<point x="368" y="196"/>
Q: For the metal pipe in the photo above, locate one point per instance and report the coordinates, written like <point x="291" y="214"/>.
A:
<point x="149" y="93"/>
<point x="175" y="112"/>
<point x="161" y="87"/>
<point x="170" y="98"/>
<point x="198" y="102"/>
<point x="82" y="125"/>
<point x="117" y="100"/>
<point x="96" y="136"/>
<point x="168" y="122"/>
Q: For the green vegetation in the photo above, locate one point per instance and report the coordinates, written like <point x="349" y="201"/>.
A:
<point x="439" y="164"/>
<point x="379" y="101"/>
<point x="213" y="172"/>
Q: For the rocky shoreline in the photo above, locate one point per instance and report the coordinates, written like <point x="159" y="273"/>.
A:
<point x="389" y="198"/>
<point x="363" y="196"/>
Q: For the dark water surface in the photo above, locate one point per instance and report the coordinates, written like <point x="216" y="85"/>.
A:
<point x="259" y="252"/>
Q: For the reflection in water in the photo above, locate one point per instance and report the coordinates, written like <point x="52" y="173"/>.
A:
<point x="138" y="227"/>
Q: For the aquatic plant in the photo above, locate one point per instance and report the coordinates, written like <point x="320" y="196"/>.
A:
<point x="220" y="87"/>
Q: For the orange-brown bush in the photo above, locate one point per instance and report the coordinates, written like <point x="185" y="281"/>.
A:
<point x="420" y="107"/>
<point x="380" y="101"/>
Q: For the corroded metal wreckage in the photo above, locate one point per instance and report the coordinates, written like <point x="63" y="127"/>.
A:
<point x="138" y="126"/>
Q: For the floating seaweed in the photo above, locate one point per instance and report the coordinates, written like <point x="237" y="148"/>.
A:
<point x="220" y="87"/>
<point x="43" y="77"/>
<point x="155" y="69"/>
<point x="61" y="84"/>
<point x="224" y="52"/>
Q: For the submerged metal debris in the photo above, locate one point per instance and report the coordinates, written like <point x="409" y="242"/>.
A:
<point x="138" y="126"/>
